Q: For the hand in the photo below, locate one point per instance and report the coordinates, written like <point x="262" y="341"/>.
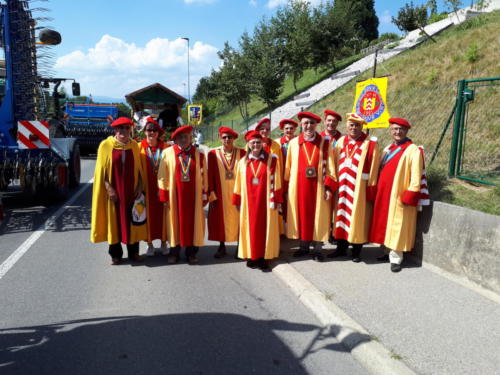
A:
<point x="238" y="208"/>
<point x="278" y="207"/>
<point x="328" y="195"/>
<point x="166" y="205"/>
<point x="113" y="197"/>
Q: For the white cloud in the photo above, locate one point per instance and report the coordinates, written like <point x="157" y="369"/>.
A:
<point x="275" y="3"/>
<point x="253" y="3"/>
<point x="386" y="17"/>
<point x="114" y="67"/>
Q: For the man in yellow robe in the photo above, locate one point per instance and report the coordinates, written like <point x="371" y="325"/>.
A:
<point x="223" y="217"/>
<point x="310" y="174"/>
<point x="357" y="158"/>
<point x="182" y="183"/>
<point x="394" y="218"/>
<point x="118" y="181"/>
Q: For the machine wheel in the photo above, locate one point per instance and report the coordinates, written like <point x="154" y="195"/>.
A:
<point x="74" y="166"/>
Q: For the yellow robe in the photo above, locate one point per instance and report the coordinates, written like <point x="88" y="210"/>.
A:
<point x="103" y="222"/>
<point x="402" y="218"/>
<point x="362" y="208"/>
<point x="323" y="212"/>
<point x="272" y="233"/>
<point x="166" y="181"/>
<point x="231" y="214"/>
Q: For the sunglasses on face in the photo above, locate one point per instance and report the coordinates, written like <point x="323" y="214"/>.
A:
<point x="151" y="130"/>
<point x="227" y="137"/>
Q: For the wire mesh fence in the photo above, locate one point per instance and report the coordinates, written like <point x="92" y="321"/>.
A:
<point x="478" y="154"/>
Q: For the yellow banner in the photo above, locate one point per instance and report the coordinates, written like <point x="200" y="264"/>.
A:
<point x="370" y="102"/>
<point x="195" y="112"/>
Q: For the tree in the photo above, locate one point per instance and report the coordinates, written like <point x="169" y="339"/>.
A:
<point x="432" y="5"/>
<point x="362" y="14"/>
<point x="411" y="17"/>
<point x="291" y="27"/>
<point x="267" y="61"/>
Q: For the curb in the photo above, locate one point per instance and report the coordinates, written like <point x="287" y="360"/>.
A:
<point x="372" y="355"/>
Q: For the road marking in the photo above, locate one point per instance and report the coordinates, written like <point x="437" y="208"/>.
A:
<point x="26" y="245"/>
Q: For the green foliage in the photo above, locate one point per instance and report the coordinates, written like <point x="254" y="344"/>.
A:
<point x="433" y="76"/>
<point x="472" y="53"/>
<point x="362" y="15"/>
<point x="437" y="17"/>
<point x="384" y="37"/>
<point x="432" y="5"/>
<point x="411" y="17"/>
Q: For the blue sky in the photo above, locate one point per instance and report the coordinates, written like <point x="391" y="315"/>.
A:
<point x="114" y="47"/>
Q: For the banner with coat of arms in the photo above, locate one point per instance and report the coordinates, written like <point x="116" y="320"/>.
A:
<point x="195" y="114"/>
<point x="370" y="102"/>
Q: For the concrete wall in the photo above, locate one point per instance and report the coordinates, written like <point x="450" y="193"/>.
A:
<point x="461" y="241"/>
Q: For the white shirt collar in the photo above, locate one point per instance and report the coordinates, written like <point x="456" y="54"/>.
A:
<point x="310" y="139"/>
<point x="251" y="157"/>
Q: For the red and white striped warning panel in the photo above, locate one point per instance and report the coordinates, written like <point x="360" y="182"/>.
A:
<point x="33" y="134"/>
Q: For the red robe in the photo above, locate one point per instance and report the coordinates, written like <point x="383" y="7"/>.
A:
<point x="335" y="137"/>
<point x="156" y="214"/>
<point x="220" y="207"/>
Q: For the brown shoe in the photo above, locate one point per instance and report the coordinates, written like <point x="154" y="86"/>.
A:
<point x="192" y="260"/>
<point x="115" y="261"/>
<point x="136" y="258"/>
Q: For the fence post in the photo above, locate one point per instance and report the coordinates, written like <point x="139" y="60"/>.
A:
<point x="452" y="171"/>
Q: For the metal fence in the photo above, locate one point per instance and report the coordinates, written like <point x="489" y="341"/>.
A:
<point x="475" y="147"/>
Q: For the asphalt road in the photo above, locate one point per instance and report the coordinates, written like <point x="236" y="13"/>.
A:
<point x="65" y="310"/>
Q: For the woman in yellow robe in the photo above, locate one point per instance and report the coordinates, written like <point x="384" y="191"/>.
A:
<point x="118" y="180"/>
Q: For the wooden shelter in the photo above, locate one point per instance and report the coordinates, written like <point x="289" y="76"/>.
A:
<point x="154" y="97"/>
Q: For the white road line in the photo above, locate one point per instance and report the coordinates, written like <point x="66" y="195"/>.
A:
<point x="26" y="245"/>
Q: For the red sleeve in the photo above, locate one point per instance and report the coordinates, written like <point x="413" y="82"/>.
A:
<point x="236" y="199"/>
<point x="331" y="184"/>
<point x="410" y="198"/>
<point x="278" y="196"/>
<point x="163" y="195"/>
<point x="371" y="193"/>
<point x="212" y="169"/>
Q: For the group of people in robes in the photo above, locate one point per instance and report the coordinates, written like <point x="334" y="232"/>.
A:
<point x="313" y="187"/>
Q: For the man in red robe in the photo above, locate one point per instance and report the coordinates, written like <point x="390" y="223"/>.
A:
<point x="309" y="172"/>
<point x="182" y="182"/>
<point x="222" y="214"/>
<point x="288" y="126"/>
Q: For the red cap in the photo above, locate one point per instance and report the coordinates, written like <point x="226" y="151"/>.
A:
<point x="329" y="112"/>
<point x="151" y="120"/>
<point x="287" y="121"/>
<point x="122" y="121"/>
<point x="310" y="115"/>
<point x="400" y="121"/>
<point x="180" y="130"/>
<point x="252" y="134"/>
<point x="227" y="130"/>
<point x="265" y="120"/>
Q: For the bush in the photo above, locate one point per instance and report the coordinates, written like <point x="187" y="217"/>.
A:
<point x="385" y="36"/>
<point x="472" y="54"/>
<point x="391" y="46"/>
<point x="438" y="17"/>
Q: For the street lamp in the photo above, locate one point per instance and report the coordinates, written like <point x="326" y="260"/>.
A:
<point x="189" y="88"/>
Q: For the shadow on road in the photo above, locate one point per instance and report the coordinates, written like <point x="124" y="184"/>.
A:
<point x="197" y="343"/>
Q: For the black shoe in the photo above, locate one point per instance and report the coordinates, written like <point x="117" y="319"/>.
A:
<point x="221" y="252"/>
<point x="172" y="259"/>
<point x="252" y="264"/>
<point x="356" y="259"/>
<point x="383" y="258"/>
<point x="395" y="267"/>
<point x="332" y="240"/>
<point x="337" y="253"/>
<point x="192" y="259"/>
<point x="263" y="265"/>
<point x="300" y="253"/>
<point x="318" y="257"/>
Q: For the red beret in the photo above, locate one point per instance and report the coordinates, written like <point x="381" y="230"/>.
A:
<point x="287" y="121"/>
<point x="310" y="115"/>
<point x="265" y="120"/>
<point x="227" y="130"/>
<point x="252" y="134"/>
<point x="180" y="130"/>
<point x="400" y="121"/>
<point x="333" y="113"/>
<point x="122" y="121"/>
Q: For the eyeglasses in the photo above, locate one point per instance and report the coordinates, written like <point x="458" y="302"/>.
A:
<point x="226" y="137"/>
<point x="122" y="127"/>
<point x="151" y="130"/>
